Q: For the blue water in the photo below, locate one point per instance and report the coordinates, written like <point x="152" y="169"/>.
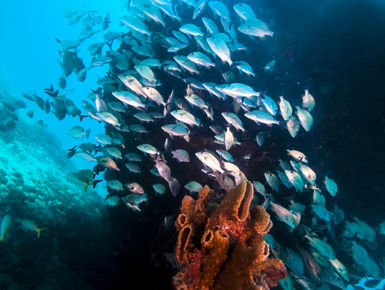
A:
<point x="333" y="48"/>
<point x="29" y="55"/>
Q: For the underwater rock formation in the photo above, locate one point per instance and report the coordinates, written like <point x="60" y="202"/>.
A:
<point x="36" y="189"/>
<point x="221" y="246"/>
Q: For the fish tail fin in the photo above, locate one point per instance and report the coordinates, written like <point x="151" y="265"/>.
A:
<point x="166" y="110"/>
<point x="73" y="148"/>
<point x="170" y="98"/>
<point x="55" y="93"/>
<point x="85" y="186"/>
<point x="88" y="133"/>
<point x="156" y="156"/>
<point x="97" y="148"/>
<point x="208" y="113"/>
<point x="81" y="117"/>
<point x="146" y="106"/>
<point x="186" y="138"/>
<point x="96" y="182"/>
<point x="39" y="230"/>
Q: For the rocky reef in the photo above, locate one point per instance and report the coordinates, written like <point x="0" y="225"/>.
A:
<point x="35" y="185"/>
<point x="220" y="242"/>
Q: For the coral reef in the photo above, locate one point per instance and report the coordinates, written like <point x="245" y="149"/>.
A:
<point x="221" y="246"/>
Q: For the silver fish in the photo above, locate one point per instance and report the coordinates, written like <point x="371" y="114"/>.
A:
<point x="159" y="188"/>
<point x="163" y="169"/>
<point x="297" y="155"/>
<point x="261" y="117"/>
<point x="147" y="148"/>
<point x="135" y="188"/>
<point x="295" y="179"/>
<point x="237" y="90"/>
<point x="115" y="184"/>
<point x="272" y="180"/>
<point x="285" y="108"/>
<point x="219" y="48"/>
<point x="259" y="187"/>
<point x="133" y="157"/>
<point x="78" y="132"/>
<point x="331" y="186"/>
<point x="107" y="162"/>
<point x="308" y="173"/>
<point x="229" y="139"/>
<point x="233" y="120"/>
<point x="112" y="152"/>
<point x="201" y="59"/>
<point x="174" y="186"/>
<point x="255" y="27"/>
<point x="128" y="98"/>
<point x="308" y="101"/>
<point x="244" y="11"/>
<point x="304" y="118"/>
<point x="146" y="72"/>
<point x="292" y="126"/>
<point x="177" y="130"/>
<point x="219" y="9"/>
<point x="85" y="155"/>
<point x="244" y="67"/>
<point x="321" y="246"/>
<point x="191" y="29"/>
<point x="132" y="167"/>
<point x="284" y="215"/>
<point x="225" y="155"/>
<point x="210" y="25"/>
<point x="144" y="117"/>
<point x="193" y="186"/>
<point x="209" y="160"/>
<point x="103" y="139"/>
<point x="270" y="105"/>
<point x="181" y="155"/>
<point x="113" y="200"/>
<point x="185" y="117"/>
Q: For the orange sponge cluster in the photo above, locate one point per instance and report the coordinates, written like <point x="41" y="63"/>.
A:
<point x="221" y="246"/>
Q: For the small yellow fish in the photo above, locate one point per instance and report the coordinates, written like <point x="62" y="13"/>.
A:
<point x="5" y="223"/>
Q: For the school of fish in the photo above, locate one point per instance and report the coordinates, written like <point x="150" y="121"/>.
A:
<point x="180" y="90"/>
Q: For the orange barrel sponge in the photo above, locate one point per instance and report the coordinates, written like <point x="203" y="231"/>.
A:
<point x="184" y="244"/>
<point x="215" y="246"/>
<point x="221" y="246"/>
<point x="238" y="271"/>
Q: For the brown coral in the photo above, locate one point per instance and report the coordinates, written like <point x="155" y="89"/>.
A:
<point x="224" y="248"/>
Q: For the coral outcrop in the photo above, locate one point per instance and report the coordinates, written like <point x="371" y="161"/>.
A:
<point x="221" y="246"/>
